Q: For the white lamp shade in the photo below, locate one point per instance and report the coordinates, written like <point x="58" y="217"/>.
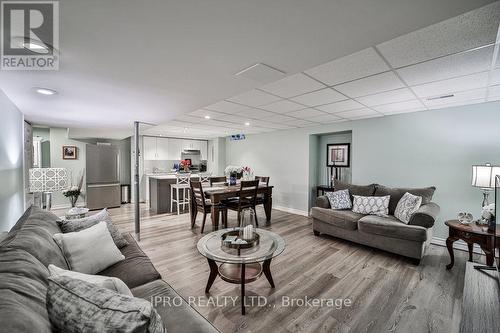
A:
<point x="484" y="175"/>
<point x="48" y="179"/>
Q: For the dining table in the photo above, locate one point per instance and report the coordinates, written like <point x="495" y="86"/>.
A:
<point x="220" y="192"/>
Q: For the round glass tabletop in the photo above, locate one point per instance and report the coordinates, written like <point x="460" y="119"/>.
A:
<point x="270" y="245"/>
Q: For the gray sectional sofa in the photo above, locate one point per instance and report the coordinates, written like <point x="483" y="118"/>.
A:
<point x="385" y="233"/>
<point x="29" y="248"/>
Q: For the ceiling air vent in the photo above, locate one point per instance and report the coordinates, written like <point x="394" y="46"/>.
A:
<point x="261" y="73"/>
<point x="440" y="97"/>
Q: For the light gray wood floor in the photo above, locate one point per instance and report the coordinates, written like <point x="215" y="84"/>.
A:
<point x="388" y="293"/>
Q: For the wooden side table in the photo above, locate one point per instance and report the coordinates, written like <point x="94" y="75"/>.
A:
<point x="470" y="234"/>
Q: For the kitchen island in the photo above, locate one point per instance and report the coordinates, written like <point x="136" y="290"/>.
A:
<point x="159" y="192"/>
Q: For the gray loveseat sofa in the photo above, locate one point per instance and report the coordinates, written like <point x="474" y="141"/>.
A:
<point x="29" y="248"/>
<point x="385" y="233"/>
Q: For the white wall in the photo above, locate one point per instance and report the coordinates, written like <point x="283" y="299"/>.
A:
<point x="11" y="163"/>
<point x="411" y="150"/>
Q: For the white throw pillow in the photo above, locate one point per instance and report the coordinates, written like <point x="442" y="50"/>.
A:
<point x="111" y="283"/>
<point x="90" y="250"/>
<point x="339" y="199"/>
<point x="407" y="205"/>
<point x="371" y="205"/>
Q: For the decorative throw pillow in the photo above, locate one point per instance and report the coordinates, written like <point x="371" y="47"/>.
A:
<point x="86" y="222"/>
<point x="108" y="282"/>
<point x="339" y="199"/>
<point x="371" y="205"/>
<point x="89" y="251"/>
<point x="407" y="205"/>
<point x="76" y="306"/>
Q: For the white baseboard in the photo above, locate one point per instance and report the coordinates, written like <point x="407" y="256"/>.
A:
<point x="458" y="245"/>
<point x="292" y="210"/>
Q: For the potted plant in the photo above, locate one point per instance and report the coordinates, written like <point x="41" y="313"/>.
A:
<point x="247" y="173"/>
<point x="185" y="165"/>
<point x="488" y="215"/>
<point x="74" y="191"/>
<point x="232" y="172"/>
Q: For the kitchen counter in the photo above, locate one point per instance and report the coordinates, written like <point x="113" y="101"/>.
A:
<point x="159" y="192"/>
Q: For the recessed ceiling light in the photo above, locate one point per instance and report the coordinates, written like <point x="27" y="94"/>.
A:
<point x="247" y="124"/>
<point x="45" y="91"/>
<point x="185" y="129"/>
<point x="207" y="117"/>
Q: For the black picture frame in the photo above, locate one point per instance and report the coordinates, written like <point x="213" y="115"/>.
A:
<point x="343" y="150"/>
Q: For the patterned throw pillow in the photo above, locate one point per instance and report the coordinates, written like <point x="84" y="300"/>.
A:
<point x="371" y="205"/>
<point x="87" y="222"/>
<point x="76" y="306"/>
<point x="407" y="205"/>
<point x="339" y="199"/>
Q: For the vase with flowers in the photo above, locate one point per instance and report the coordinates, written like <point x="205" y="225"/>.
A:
<point x="488" y="215"/>
<point x="247" y="173"/>
<point x="232" y="172"/>
<point x="73" y="192"/>
<point x="184" y="164"/>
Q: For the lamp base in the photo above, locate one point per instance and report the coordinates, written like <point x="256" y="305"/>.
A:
<point x="48" y="200"/>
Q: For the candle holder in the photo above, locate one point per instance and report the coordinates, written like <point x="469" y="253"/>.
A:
<point x="247" y="225"/>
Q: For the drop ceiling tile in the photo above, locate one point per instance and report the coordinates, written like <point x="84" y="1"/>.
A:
<point x="408" y="106"/>
<point x="254" y="98"/>
<point x="340" y="106"/>
<point x="448" y="67"/>
<point x="354" y="66"/>
<point x="293" y="85"/>
<point x="371" y="85"/>
<point x="326" y="119"/>
<point x="278" y="119"/>
<point x="255" y="113"/>
<point x="226" y="107"/>
<point x="306" y="113"/>
<point x="459" y="97"/>
<point x="493" y="93"/>
<point x="283" y="106"/>
<point x="393" y="96"/>
<point x="212" y="114"/>
<point x="319" y="97"/>
<point x="463" y="83"/>
<point x="235" y="119"/>
<point x="277" y="126"/>
<point x="189" y="119"/>
<point x="365" y="112"/>
<point x="495" y="76"/>
<point x="464" y="32"/>
<point x="301" y="123"/>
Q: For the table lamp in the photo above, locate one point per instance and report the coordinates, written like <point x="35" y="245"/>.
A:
<point x="483" y="176"/>
<point x="47" y="180"/>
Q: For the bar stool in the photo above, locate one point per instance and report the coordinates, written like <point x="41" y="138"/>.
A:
<point x="183" y="181"/>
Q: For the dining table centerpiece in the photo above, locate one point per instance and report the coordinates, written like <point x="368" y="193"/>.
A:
<point x="232" y="172"/>
<point x="247" y="173"/>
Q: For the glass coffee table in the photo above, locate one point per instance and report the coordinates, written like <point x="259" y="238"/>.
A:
<point x="240" y="266"/>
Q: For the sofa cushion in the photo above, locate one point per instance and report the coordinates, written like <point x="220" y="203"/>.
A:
<point x="23" y="287"/>
<point x="397" y="193"/>
<point x="363" y="190"/>
<point x="33" y="234"/>
<point x="371" y="205"/>
<point x="345" y="219"/>
<point x="176" y="313"/>
<point x="391" y="227"/>
<point x="136" y="269"/>
<point x="76" y="306"/>
<point x="339" y="199"/>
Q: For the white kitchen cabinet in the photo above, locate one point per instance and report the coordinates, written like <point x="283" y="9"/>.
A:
<point x="149" y="150"/>
<point x="204" y="150"/>
<point x="175" y="147"/>
<point x="162" y="148"/>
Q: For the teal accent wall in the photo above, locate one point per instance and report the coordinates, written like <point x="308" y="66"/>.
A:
<point x="11" y="163"/>
<point x="406" y="150"/>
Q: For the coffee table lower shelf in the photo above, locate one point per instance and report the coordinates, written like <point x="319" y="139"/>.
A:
<point x="239" y="274"/>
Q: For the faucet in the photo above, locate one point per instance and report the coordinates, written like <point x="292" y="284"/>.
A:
<point x="156" y="170"/>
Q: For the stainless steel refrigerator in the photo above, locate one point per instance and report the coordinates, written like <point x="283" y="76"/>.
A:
<point x="103" y="176"/>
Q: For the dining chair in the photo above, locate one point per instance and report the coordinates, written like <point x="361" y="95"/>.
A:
<point x="263" y="181"/>
<point x="217" y="180"/>
<point x="200" y="204"/>
<point x="183" y="181"/>
<point x="205" y="178"/>
<point x="246" y="199"/>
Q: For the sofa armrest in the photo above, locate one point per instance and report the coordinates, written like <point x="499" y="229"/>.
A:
<point x="323" y="202"/>
<point x="426" y="215"/>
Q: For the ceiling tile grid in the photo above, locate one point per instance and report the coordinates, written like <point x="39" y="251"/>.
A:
<point x="319" y="97"/>
<point x="293" y="85"/>
<point x="340" y="106"/>
<point x="371" y="85"/>
<point x="283" y="106"/>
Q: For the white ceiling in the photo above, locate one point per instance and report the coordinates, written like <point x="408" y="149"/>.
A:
<point x="173" y="62"/>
